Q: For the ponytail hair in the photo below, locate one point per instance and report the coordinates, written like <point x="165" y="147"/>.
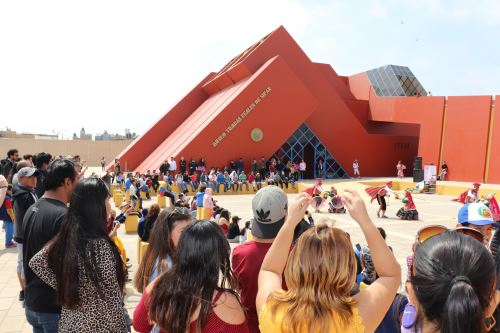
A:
<point x="462" y="303"/>
<point x="453" y="281"/>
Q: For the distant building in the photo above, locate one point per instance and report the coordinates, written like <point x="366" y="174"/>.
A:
<point x="10" y="134"/>
<point x="106" y="136"/>
<point x="83" y="135"/>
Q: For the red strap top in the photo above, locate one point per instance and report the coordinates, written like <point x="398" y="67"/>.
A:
<point x="214" y="323"/>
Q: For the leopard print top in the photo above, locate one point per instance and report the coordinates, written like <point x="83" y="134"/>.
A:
<point x="94" y="314"/>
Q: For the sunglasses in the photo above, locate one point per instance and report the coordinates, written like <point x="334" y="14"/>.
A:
<point x="430" y="231"/>
<point x="180" y="211"/>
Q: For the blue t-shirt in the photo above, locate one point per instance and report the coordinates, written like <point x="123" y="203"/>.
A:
<point x="199" y="199"/>
<point x="155" y="272"/>
<point x="128" y="182"/>
<point x="391" y="322"/>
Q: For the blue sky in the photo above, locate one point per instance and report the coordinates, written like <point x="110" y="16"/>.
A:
<point x="122" y="64"/>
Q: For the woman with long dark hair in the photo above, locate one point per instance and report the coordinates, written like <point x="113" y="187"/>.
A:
<point x="197" y="294"/>
<point x="83" y="264"/>
<point x="223" y="221"/>
<point x="149" y="221"/>
<point x="452" y="285"/>
<point x="160" y="254"/>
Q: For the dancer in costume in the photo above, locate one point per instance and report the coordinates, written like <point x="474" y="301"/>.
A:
<point x="315" y="192"/>
<point x="335" y="205"/>
<point x="379" y="193"/>
<point x="401" y="168"/>
<point x="492" y="204"/>
<point x="408" y="211"/>
<point x="469" y="196"/>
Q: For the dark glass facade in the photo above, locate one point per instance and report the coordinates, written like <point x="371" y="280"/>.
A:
<point x="304" y="144"/>
<point x="392" y="80"/>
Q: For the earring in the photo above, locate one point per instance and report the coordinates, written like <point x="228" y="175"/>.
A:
<point x="489" y="323"/>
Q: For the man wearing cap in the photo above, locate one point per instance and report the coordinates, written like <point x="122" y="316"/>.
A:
<point x="23" y="197"/>
<point x="479" y="217"/>
<point x="269" y="208"/>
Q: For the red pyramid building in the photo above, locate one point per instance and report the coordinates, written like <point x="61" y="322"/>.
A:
<point x="272" y="100"/>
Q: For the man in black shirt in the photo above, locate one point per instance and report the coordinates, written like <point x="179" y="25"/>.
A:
<point x="164" y="168"/>
<point x="183" y="165"/>
<point x="41" y="223"/>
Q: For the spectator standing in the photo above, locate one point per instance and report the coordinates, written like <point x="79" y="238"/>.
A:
<point x="208" y="204"/>
<point x="262" y="170"/>
<point x="444" y="171"/>
<point x="116" y="168"/>
<point x="269" y="208"/>
<point x="23" y="197"/>
<point x="355" y="167"/>
<point x="302" y="168"/>
<point x="199" y="202"/>
<point x="193" y="166"/>
<point x="255" y="166"/>
<point x="103" y="163"/>
<point x="172" y="167"/>
<point x="400" y="167"/>
<point x="164" y="168"/>
<point x="42" y="222"/>
<point x="6" y="211"/>
<point x="183" y="165"/>
<point x="15" y="170"/>
<point x="29" y="158"/>
<point x="8" y="163"/>
<point x="89" y="287"/>
<point x="240" y="165"/>
<point x="42" y="161"/>
<point x="202" y="165"/>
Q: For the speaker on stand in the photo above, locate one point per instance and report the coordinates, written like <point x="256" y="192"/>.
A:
<point x="418" y="173"/>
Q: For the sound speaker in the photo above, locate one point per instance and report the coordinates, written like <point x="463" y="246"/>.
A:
<point x="418" y="163"/>
<point x="418" y="175"/>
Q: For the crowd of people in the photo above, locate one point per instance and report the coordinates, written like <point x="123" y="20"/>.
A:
<point x="233" y="177"/>
<point x="295" y="275"/>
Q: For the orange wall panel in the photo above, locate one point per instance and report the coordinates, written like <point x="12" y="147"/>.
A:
<point x="360" y="86"/>
<point x="494" y="163"/>
<point x="466" y="136"/>
<point x="428" y="112"/>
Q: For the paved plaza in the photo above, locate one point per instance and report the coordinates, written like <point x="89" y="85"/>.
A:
<point x="433" y="209"/>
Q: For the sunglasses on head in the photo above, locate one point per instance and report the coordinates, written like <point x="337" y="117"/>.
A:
<point x="427" y="232"/>
<point x="180" y="211"/>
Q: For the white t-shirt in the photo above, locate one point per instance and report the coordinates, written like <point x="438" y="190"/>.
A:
<point x="172" y="166"/>
<point x="132" y="190"/>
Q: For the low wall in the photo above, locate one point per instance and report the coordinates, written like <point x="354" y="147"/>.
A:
<point x="90" y="151"/>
